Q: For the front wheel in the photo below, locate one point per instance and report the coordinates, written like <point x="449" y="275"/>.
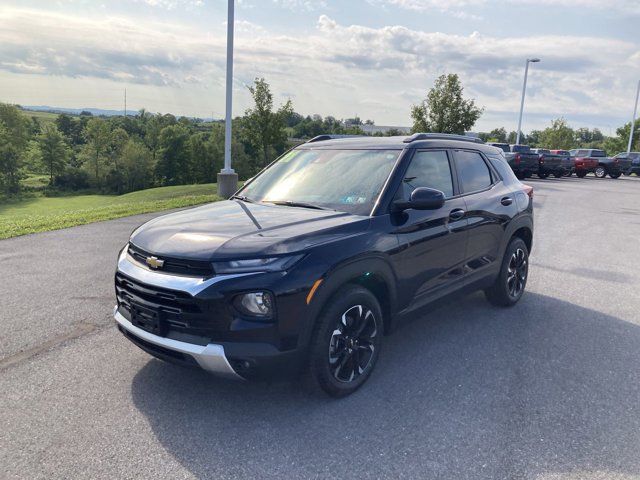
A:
<point x="615" y="175"/>
<point x="346" y="341"/>
<point x="512" y="279"/>
<point x="600" y="172"/>
<point x="558" y="175"/>
<point x="581" y="174"/>
<point x="543" y="175"/>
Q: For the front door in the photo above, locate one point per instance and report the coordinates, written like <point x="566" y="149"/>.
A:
<point x="432" y="243"/>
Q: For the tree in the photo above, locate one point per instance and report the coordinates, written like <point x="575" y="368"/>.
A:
<point x="263" y="128"/>
<point x="445" y="110"/>
<point x="137" y="166"/>
<point x="10" y="163"/>
<point x="559" y="136"/>
<point x="52" y="151"/>
<point x="98" y="135"/>
<point x="174" y="165"/>
<point x="203" y="158"/>
<point x="14" y="138"/>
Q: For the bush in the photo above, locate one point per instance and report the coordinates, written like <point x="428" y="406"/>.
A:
<point x="72" y="179"/>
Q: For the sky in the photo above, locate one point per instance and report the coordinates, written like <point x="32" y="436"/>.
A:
<point x="371" y="58"/>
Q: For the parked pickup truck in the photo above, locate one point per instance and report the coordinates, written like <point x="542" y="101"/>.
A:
<point x="634" y="166"/>
<point x="522" y="161"/>
<point x="616" y="166"/>
<point x="549" y="163"/>
<point x="567" y="162"/>
<point x="586" y="160"/>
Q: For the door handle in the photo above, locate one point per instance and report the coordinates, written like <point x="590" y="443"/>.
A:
<point x="456" y="214"/>
<point x="506" y="201"/>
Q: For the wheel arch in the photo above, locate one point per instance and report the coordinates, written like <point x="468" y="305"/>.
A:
<point x="372" y="273"/>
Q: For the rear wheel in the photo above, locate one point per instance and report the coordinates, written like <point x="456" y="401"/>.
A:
<point x="543" y="175"/>
<point x="615" y="175"/>
<point x="346" y="341"/>
<point x="512" y="279"/>
<point x="581" y="174"/>
<point x="600" y="172"/>
<point x="520" y="176"/>
<point x="558" y="175"/>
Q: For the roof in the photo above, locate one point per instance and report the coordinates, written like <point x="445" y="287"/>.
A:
<point x="396" y="143"/>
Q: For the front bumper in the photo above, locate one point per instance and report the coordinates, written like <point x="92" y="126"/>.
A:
<point x="210" y="357"/>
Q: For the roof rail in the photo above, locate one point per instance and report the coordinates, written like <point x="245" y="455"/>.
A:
<point x="322" y="138"/>
<point x="441" y="136"/>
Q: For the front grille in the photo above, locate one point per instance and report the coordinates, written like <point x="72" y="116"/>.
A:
<point x="174" y="310"/>
<point x="193" y="268"/>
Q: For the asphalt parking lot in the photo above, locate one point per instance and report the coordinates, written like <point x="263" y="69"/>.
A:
<point x="549" y="389"/>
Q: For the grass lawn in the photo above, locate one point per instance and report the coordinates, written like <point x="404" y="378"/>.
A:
<point x="39" y="214"/>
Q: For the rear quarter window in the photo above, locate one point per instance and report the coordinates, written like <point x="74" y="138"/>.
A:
<point x="504" y="170"/>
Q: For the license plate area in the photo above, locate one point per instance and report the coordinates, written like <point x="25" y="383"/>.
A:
<point x="147" y="319"/>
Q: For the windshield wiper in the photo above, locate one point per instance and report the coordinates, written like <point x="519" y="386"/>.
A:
<point x="291" y="203"/>
<point x="243" y="198"/>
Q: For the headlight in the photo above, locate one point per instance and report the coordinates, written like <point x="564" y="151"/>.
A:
<point x="273" y="264"/>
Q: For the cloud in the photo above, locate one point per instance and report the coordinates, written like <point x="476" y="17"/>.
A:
<point x="301" y="4"/>
<point x="460" y="8"/>
<point x="171" y="4"/>
<point x="335" y="69"/>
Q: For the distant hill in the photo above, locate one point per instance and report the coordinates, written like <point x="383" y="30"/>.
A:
<point x="94" y="111"/>
<point x="76" y="111"/>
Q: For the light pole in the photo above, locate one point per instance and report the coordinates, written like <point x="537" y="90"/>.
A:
<point x="228" y="178"/>
<point x="524" y="89"/>
<point x="633" y="119"/>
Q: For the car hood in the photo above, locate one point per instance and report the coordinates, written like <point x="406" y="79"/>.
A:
<point x="236" y="229"/>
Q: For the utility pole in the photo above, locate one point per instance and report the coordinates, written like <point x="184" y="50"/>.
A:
<point x="633" y="119"/>
<point x="524" y="90"/>
<point x="228" y="178"/>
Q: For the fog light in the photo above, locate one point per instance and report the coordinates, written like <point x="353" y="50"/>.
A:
<point x="257" y="304"/>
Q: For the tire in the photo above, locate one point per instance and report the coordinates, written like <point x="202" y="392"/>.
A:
<point x="568" y="174"/>
<point x="581" y="174"/>
<point x="600" y="172"/>
<point x="346" y="341"/>
<point x="558" y="175"/>
<point x="520" y="176"/>
<point x="615" y="175"/>
<point x="512" y="279"/>
<point x="543" y="175"/>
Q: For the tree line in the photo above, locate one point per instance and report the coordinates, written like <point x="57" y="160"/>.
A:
<point x="126" y="153"/>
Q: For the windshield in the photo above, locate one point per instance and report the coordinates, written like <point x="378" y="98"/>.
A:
<point x="520" y="148"/>
<point x="343" y="180"/>
<point x="503" y="146"/>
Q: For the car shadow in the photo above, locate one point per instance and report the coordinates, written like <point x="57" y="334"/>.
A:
<point x="469" y="391"/>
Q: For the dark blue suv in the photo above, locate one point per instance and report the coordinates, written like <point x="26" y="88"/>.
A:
<point x="322" y="254"/>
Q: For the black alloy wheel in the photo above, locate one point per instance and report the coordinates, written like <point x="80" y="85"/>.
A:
<point x="517" y="273"/>
<point x="352" y="344"/>
<point x="511" y="282"/>
<point x="346" y="341"/>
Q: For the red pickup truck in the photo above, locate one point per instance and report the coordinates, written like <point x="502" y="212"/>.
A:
<point x="586" y="160"/>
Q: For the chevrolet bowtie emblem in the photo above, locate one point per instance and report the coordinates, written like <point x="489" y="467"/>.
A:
<point x="155" y="262"/>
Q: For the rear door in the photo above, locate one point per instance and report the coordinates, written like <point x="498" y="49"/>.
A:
<point x="490" y="204"/>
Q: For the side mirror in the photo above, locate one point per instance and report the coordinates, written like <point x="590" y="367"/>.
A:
<point x="421" y="199"/>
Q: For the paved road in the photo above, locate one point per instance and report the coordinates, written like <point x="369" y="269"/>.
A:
<point x="547" y="390"/>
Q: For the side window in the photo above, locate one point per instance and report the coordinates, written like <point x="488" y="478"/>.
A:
<point x="429" y="169"/>
<point x="473" y="173"/>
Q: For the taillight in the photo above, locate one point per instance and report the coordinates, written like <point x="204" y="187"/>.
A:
<point x="541" y="159"/>
<point x="518" y="159"/>
<point x="528" y="189"/>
